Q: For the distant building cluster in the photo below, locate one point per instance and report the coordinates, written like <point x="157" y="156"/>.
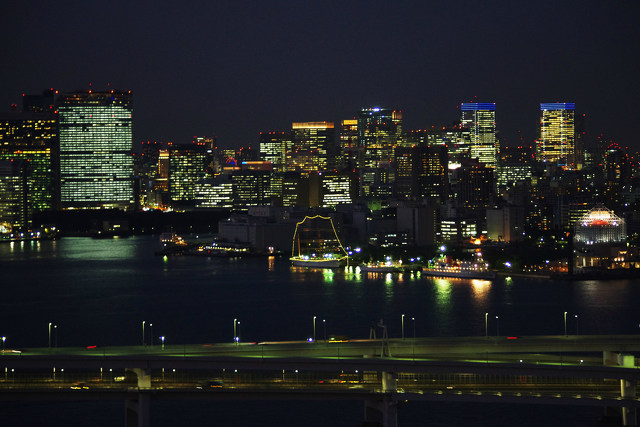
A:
<point x="395" y="186"/>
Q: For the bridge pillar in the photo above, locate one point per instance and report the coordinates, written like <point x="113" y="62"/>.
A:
<point x="144" y="378"/>
<point x="627" y="388"/>
<point x="389" y="382"/>
<point x="383" y="412"/>
<point x="137" y="410"/>
<point x="138" y="406"/>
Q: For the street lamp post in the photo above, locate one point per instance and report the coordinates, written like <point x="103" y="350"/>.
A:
<point x="143" y="322"/>
<point x="3" y="340"/>
<point x="413" y="344"/>
<point x="414" y="328"/>
<point x="486" y="325"/>
<point x="235" y="335"/>
<point x="324" y="325"/>
<point x="55" y="336"/>
<point x="565" y="323"/>
<point x="403" y="326"/>
<point x="314" y="328"/>
<point x="238" y="337"/>
<point x="49" y="334"/>
<point x="497" y="326"/>
<point x="151" y="332"/>
<point x="162" y="340"/>
<point x="577" y="330"/>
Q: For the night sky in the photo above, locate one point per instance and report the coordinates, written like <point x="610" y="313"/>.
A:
<point x="233" y="68"/>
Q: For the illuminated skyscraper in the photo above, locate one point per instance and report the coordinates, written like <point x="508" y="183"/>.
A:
<point x="311" y="141"/>
<point x="422" y="173"/>
<point x="250" y="188"/>
<point x="350" y="151"/>
<point x="480" y="119"/>
<point x="96" y="162"/>
<point x="557" y="134"/>
<point x="13" y="196"/>
<point x="379" y="132"/>
<point x="33" y="137"/>
<point x="187" y="165"/>
<point x="273" y="148"/>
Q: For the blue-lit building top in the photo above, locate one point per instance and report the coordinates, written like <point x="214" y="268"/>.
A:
<point x="558" y="106"/>
<point x="478" y="106"/>
<point x="557" y="135"/>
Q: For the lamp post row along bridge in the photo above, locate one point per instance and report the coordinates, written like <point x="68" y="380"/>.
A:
<point x="567" y="370"/>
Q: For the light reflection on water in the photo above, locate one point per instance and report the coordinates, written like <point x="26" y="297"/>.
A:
<point x="328" y="274"/>
<point x="443" y="293"/>
<point x="100" y="290"/>
<point x="102" y="287"/>
<point x="481" y="290"/>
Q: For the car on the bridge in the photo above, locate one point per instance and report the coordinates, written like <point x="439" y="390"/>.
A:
<point x="210" y="384"/>
<point x="79" y="386"/>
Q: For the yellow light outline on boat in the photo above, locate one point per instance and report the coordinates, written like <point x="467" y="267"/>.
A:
<point x="293" y="243"/>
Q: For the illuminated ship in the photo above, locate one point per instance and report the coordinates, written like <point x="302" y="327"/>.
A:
<point x="387" y="266"/>
<point x="447" y="267"/>
<point x="316" y="244"/>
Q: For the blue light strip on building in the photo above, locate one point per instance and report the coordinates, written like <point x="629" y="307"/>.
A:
<point x="475" y="106"/>
<point x="558" y="106"/>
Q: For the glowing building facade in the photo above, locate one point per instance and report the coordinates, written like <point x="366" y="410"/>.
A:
<point x="187" y="166"/>
<point x="336" y="189"/>
<point x="600" y="225"/>
<point x="33" y="137"/>
<point x="421" y="173"/>
<point x="13" y="196"/>
<point x="479" y="118"/>
<point x="96" y="146"/>
<point x="557" y="134"/>
<point x="250" y="188"/>
<point x="274" y="147"/>
<point x="379" y="132"/>
<point x="600" y="242"/>
<point x="311" y="142"/>
<point x="351" y="152"/>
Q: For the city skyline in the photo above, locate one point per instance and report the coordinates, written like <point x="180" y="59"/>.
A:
<point x="234" y="70"/>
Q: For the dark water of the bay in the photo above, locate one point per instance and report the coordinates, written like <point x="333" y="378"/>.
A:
<point x="98" y="292"/>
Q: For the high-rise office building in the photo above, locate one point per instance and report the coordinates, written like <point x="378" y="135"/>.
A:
<point x="351" y="153"/>
<point x="274" y="147"/>
<point x="44" y="103"/>
<point x="251" y="188"/>
<point x="475" y="186"/>
<point x="214" y="192"/>
<point x="557" y="134"/>
<point x="311" y="142"/>
<point x="337" y="188"/>
<point x="379" y="132"/>
<point x="33" y="137"/>
<point x="480" y="120"/>
<point x="96" y="146"/>
<point x="13" y="196"/>
<point x="187" y="165"/>
<point x="422" y="173"/>
<point x="456" y="138"/>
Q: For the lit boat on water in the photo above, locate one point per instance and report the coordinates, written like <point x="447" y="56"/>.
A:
<point x="387" y="266"/>
<point x="379" y="268"/>
<point x="316" y="244"/>
<point x="446" y="267"/>
<point x="324" y="261"/>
